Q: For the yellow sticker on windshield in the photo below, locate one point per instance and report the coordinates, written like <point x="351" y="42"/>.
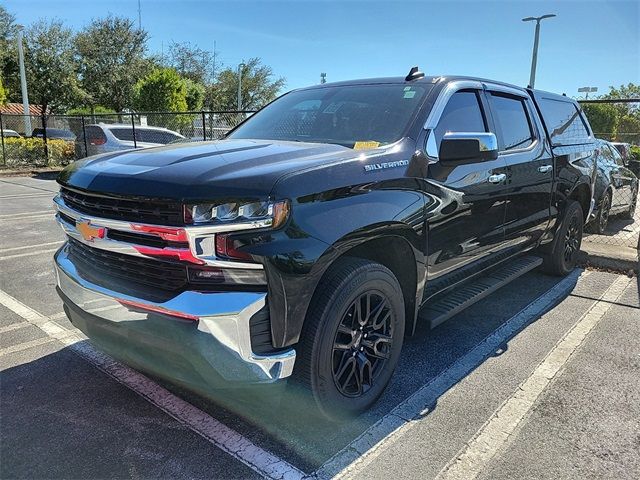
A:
<point x="366" y="145"/>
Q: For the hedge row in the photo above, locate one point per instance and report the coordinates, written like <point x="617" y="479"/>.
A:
<point x="23" y="152"/>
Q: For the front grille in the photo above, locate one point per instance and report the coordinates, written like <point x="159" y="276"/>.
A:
<point x="140" y="211"/>
<point x="92" y="262"/>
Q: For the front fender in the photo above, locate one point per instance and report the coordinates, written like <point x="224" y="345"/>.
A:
<point x="322" y="228"/>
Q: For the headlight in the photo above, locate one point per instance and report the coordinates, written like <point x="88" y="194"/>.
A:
<point x="258" y="214"/>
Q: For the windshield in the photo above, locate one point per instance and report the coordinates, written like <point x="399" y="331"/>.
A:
<point x="351" y="116"/>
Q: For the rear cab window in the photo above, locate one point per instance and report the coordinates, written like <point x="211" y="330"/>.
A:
<point x="564" y="120"/>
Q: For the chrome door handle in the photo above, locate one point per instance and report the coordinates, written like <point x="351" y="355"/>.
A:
<point x="545" y="168"/>
<point x="497" y="178"/>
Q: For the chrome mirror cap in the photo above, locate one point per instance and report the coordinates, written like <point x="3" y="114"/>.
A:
<point x="468" y="146"/>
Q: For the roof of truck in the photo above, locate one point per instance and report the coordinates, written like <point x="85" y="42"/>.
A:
<point x="435" y="79"/>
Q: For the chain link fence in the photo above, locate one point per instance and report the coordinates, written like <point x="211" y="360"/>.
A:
<point x="30" y="141"/>
<point x="616" y="220"/>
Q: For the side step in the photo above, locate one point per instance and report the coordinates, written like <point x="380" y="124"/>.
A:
<point x="442" y="309"/>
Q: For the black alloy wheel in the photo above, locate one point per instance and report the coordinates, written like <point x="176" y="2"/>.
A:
<point x="352" y="337"/>
<point x="603" y="214"/>
<point x="572" y="239"/>
<point x="362" y="344"/>
<point x="562" y="258"/>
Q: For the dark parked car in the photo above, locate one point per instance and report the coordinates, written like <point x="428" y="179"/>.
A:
<point x="616" y="188"/>
<point x="54" y="134"/>
<point x="322" y="230"/>
<point x="624" y="149"/>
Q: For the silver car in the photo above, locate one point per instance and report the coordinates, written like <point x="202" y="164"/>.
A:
<point x="102" y="138"/>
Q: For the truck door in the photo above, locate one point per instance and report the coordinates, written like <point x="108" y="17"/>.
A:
<point x="530" y="166"/>
<point x="466" y="220"/>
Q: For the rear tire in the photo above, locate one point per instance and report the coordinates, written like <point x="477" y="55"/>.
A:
<point x="562" y="259"/>
<point x="352" y="337"/>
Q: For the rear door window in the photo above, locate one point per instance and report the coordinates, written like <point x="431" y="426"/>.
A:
<point x="512" y="120"/>
<point x="124" y="134"/>
<point x="155" y="136"/>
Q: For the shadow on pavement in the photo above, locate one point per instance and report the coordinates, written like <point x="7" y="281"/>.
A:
<point x="61" y="418"/>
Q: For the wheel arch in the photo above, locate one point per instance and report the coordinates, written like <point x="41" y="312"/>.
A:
<point x="398" y="249"/>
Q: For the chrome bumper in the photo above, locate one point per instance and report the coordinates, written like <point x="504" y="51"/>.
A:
<point x="215" y="343"/>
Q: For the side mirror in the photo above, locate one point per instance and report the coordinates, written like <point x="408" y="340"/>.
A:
<point x="468" y="147"/>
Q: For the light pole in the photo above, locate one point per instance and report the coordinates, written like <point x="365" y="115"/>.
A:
<point x="534" y="58"/>
<point x="23" y="86"/>
<point x="587" y="90"/>
<point x="240" y="66"/>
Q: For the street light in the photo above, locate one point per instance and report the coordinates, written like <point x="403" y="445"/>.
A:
<point x="23" y="86"/>
<point x="587" y="90"/>
<point x="240" y="66"/>
<point x="534" y="59"/>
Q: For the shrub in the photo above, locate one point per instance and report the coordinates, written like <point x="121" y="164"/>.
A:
<point x="635" y="153"/>
<point x="29" y="152"/>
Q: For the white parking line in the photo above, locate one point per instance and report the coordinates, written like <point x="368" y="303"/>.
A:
<point x="25" y="345"/>
<point x="53" y="192"/>
<point x="353" y="458"/>
<point x="14" y="326"/>
<point x="28" y="254"/>
<point x="40" y="213"/>
<point x="218" y="434"/>
<point x="24" y="218"/>
<point x="498" y="430"/>
<point x="27" y="247"/>
<point x="26" y="195"/>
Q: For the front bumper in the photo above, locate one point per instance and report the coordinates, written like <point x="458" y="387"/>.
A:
<point x="197" y="339"/>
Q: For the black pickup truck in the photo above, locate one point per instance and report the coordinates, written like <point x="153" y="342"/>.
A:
<point x="321" y="230"/>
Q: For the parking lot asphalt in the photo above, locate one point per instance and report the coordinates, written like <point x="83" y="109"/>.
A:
<point x="538" y="380"/>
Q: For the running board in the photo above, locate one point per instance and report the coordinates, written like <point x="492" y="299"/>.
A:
<point x="453" y="303"/>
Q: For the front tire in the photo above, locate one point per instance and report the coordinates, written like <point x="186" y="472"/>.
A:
<point x="562" y="259"/>
<point x="352" y="337"/>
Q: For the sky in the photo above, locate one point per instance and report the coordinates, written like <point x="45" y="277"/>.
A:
<point x="589" y="43"/>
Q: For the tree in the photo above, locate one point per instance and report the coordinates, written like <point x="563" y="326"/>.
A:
<point x="191" y="62"/>
<point x="603" y="118"/>
<point x="3" y="93"/>
<point x="8" y="54"/>
<point x="258" y="87"/>
<point x="195" y="94"/>
<point x="111" y="58"/>
<point x="163" y="90"/>
<point x="50" y="66"/>
<point x="628" y="113"/>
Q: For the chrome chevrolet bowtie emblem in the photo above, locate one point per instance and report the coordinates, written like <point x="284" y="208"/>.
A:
<point x="88" y="232"/>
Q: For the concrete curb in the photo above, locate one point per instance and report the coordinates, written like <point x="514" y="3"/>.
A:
<point x="610" y="257"/>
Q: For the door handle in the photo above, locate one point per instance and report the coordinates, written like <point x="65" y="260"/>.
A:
<point x="545" y="168"/>
<point x="497" y="178"/>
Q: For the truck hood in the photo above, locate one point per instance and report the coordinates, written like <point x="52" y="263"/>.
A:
<point x="202" y="170"/>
